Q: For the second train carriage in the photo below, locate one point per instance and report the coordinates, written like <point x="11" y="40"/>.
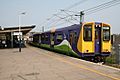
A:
<point x="90" y="40"/>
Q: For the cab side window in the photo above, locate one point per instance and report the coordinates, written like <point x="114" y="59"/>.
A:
<point x="87" y="32"/>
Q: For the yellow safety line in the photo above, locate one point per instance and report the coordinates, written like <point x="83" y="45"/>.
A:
<point x="79" y="66"/>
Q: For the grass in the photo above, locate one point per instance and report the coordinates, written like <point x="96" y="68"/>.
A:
<point x="66" y="50"/>
<point x="63" y="49"/>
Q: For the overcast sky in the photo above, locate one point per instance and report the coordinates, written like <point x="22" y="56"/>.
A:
<point x="37" y="11"/>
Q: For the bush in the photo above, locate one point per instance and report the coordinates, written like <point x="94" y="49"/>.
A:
<point x="110" y="59"/>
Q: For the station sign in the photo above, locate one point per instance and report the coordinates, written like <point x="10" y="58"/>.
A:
<point x="17" y="33"/>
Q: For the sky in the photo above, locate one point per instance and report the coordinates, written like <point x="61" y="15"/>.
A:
<point x="38" y="11"/>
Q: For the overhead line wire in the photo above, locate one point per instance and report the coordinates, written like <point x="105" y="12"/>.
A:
<point x="101" y="5"/>
<point x="96" y="9"/>
<point x="76" y="4"/>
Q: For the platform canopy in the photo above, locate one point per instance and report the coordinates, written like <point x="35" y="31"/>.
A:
<point x="23" y="29"/>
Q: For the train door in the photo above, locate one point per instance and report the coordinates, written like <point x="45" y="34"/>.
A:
<point x="39" y="39"/>
<point x="52" y="39"/>
<point x="73" y="38"/>
<point x="97" y="39"/>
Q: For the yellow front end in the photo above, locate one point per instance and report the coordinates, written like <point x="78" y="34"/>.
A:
<point x="87" y="42"/>
<point x="106" y="43"/>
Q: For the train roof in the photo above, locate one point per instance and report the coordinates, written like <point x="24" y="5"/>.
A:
<point x="74" y="26"/>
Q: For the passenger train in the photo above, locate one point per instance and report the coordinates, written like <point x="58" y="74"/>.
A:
<point x="90" y="40"/>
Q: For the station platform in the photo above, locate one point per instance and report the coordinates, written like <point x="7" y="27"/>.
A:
<point x="37" y="64"/>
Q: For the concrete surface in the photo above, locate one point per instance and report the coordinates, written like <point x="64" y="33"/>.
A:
<point x="38" y="64"/>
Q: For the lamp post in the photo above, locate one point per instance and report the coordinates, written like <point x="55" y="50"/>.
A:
<point x="20" y="34"/>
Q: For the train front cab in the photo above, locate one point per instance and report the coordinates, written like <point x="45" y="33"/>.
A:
<point x="94" y="40"/>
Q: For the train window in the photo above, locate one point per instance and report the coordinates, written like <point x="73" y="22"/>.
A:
<point x="96" y="34"/>
<point x="43" y="37"/>
<point x="106" y="33"/>
<point x="46" y="37"/>
<point x="87" y="33"/>
<point x="59" y="37"/>
<point x="73" y="37"/>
